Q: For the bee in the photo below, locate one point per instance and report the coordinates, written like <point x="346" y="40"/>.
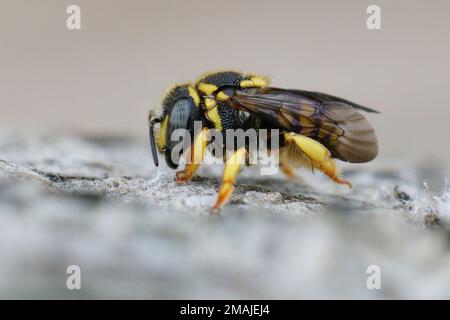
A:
<point x="314" y="128"/>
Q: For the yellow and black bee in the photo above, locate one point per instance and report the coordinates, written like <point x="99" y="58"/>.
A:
<point x="313" y="127"/>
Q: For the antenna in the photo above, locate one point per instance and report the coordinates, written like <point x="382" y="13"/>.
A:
<point x="152" y="140"/>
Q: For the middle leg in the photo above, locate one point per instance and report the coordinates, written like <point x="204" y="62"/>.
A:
<point x="232" y="166"/>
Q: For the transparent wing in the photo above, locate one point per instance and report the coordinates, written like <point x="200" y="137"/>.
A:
<point x="336" y="124"/>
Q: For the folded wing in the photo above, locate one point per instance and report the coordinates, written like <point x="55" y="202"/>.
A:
<point x="334" y="122"/>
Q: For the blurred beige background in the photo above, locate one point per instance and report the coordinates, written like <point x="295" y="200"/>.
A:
<point x="104" y="78"/>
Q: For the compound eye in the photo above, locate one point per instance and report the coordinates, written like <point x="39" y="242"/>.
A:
<point x="179" y="114"/>
<point x="179" y="118"/>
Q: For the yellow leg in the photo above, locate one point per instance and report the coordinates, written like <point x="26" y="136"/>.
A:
<point x="319" y="156"/>
<point x="196" y="154"/>
<point x="229" y="176"/>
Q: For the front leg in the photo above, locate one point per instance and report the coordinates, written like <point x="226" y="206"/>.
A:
<point x="318" y="155"/>
<point x="196" y="153"/>
<point x="187" y="174"/>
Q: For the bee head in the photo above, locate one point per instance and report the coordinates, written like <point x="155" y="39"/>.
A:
<point x="180" y="109"/>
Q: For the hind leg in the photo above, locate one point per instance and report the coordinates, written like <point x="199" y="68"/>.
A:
<point x="289" y="171"/>
<point x="317" y="155"/>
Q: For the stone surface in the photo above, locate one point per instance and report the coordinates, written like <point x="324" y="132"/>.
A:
<point x="99" y="203"/>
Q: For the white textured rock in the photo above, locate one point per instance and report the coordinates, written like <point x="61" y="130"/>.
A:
<point x="100" y="204"/>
